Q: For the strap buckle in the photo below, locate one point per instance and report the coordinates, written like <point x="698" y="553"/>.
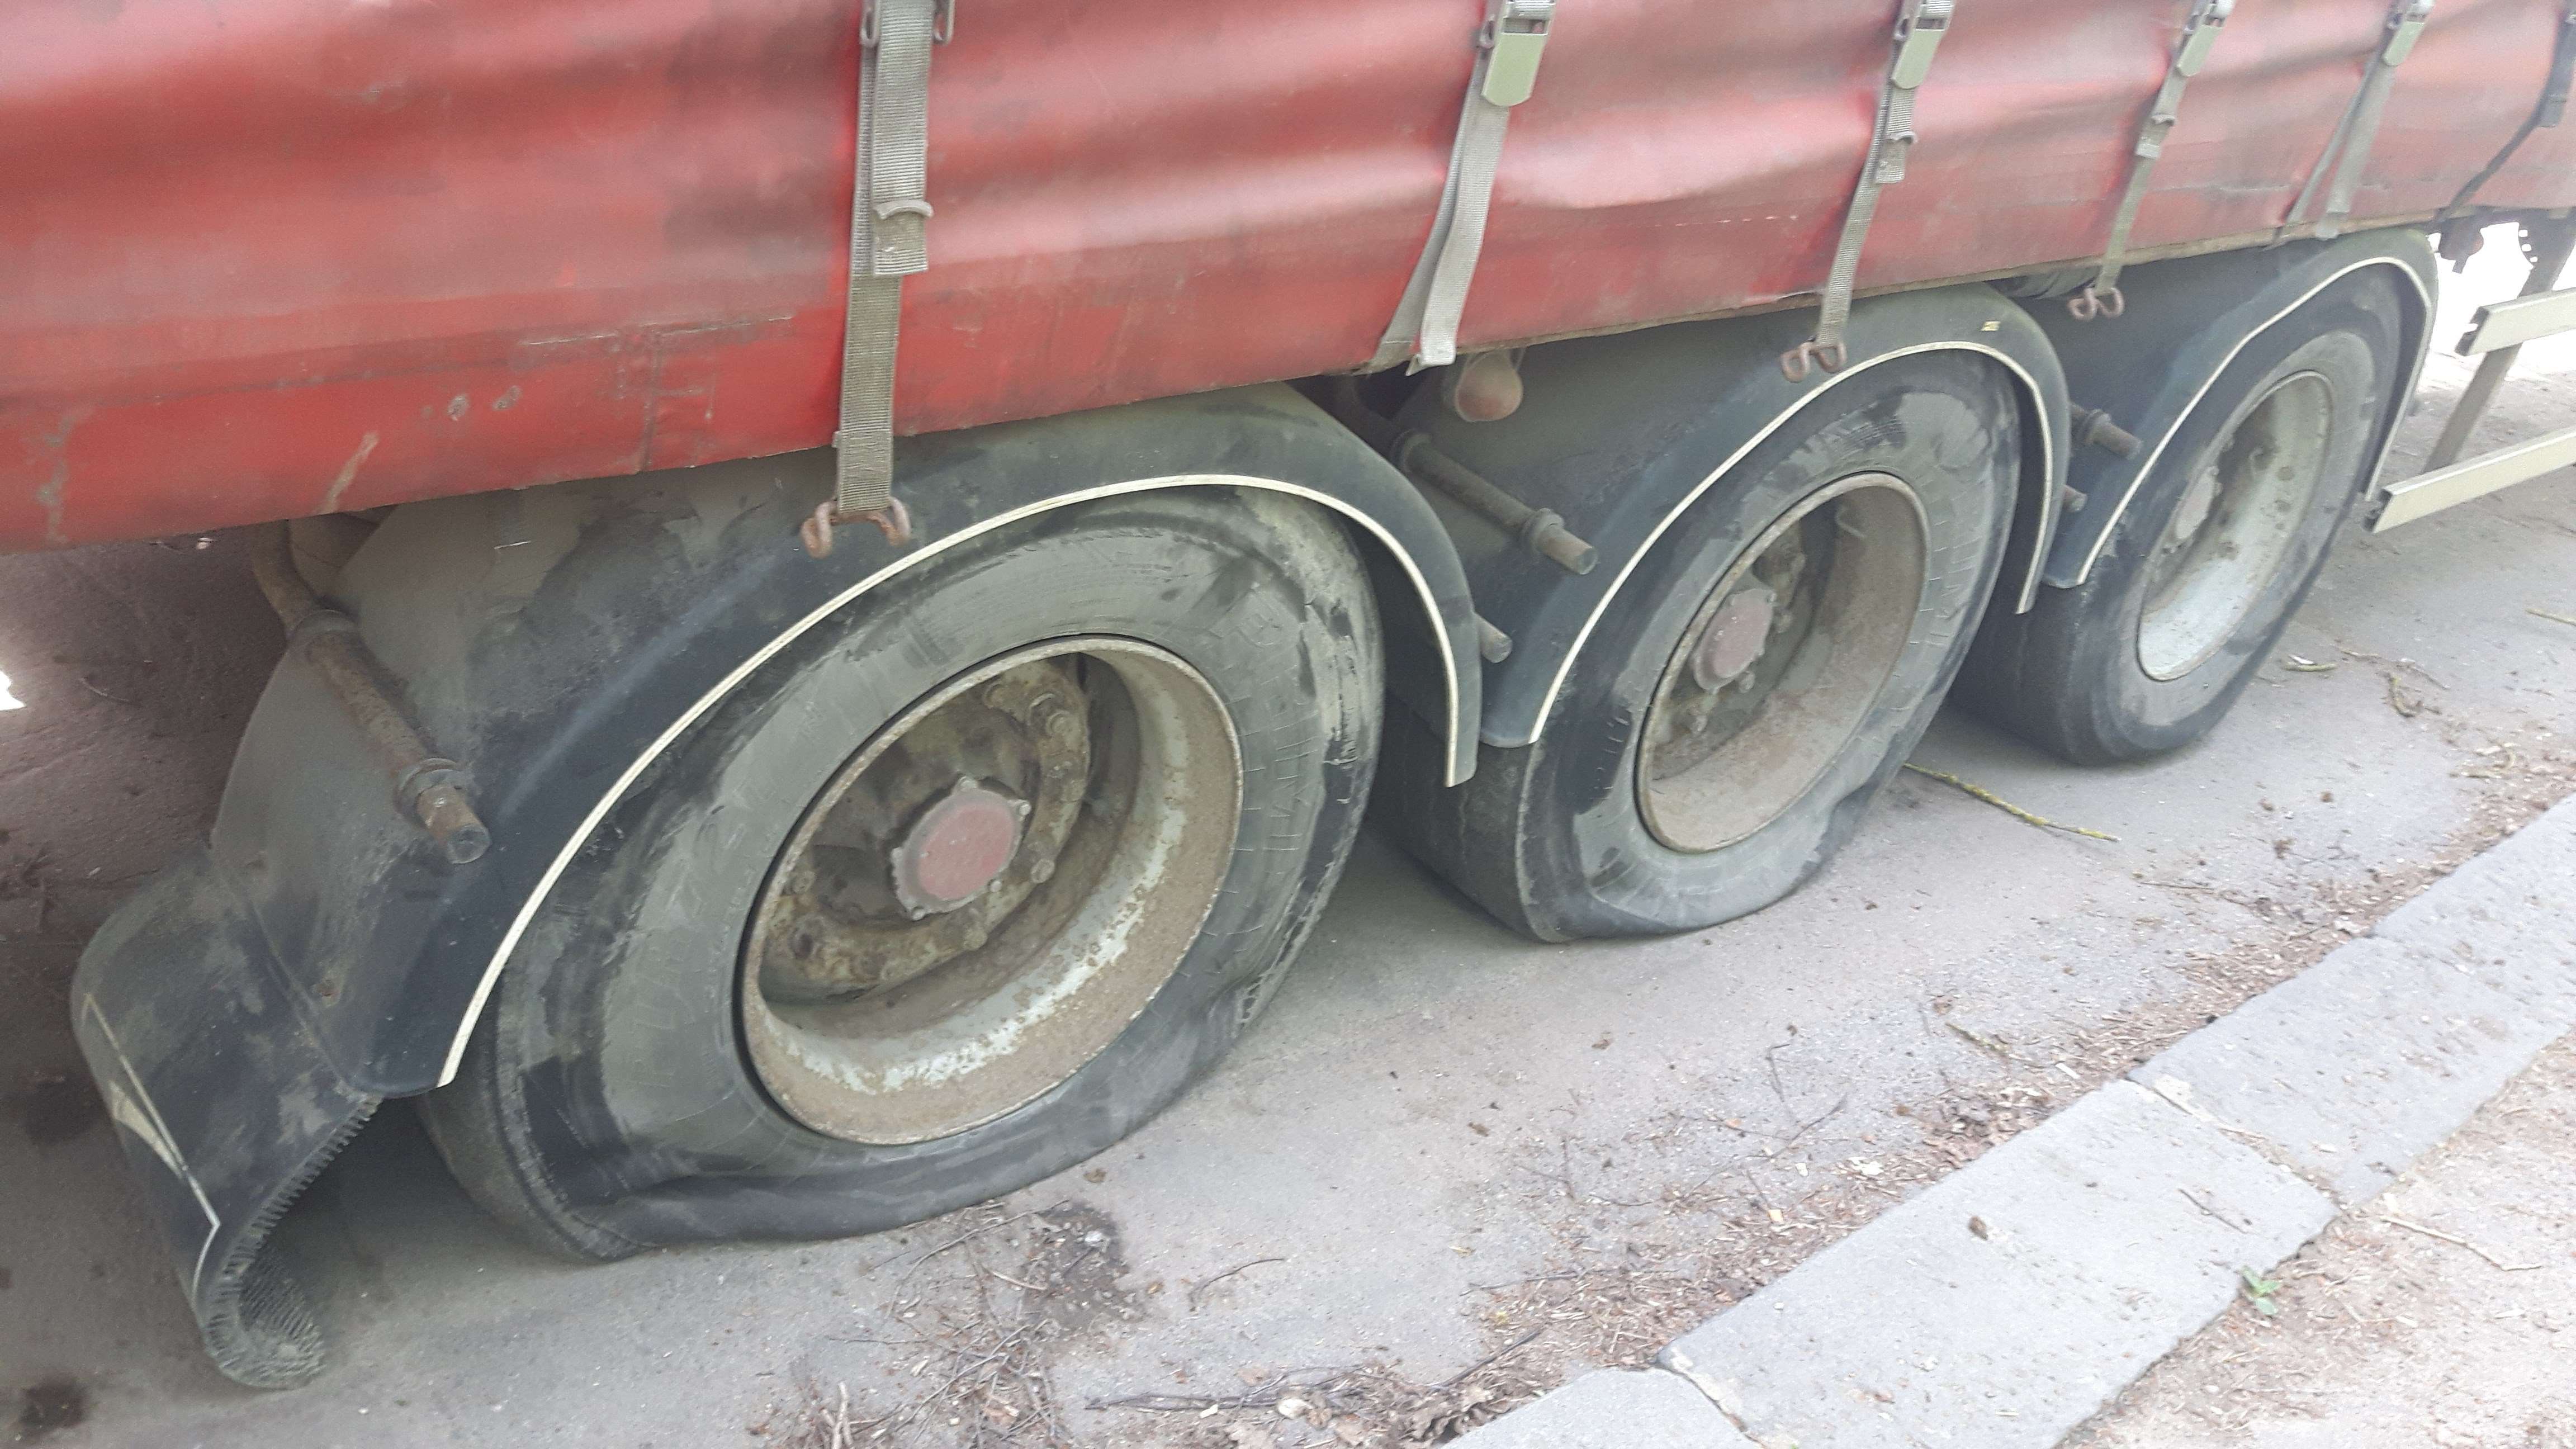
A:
<point x="2202" y="36"/>
<point x="1517" y="37"/>
<point x="1918" y="37"/>
<point x="2404" y="27"/>
<point x="943" y="22"/>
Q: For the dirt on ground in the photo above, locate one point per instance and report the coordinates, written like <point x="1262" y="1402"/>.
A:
<point x="1626" y="1274"/>
<point x="2440" y="1315"/>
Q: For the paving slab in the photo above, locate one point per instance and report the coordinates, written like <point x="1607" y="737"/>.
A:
<point x="2504" y="916"/>
<point x="1614" y="1409"/>
<point x="2009" y="1302"/>
<point x="2372" y="1057"/>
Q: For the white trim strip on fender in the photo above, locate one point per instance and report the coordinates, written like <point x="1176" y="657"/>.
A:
<point x="2102" y="540"/>
<point x="617" y="790"/>
<point x="2048" y="503"/>
<point x="132" y="1108"/>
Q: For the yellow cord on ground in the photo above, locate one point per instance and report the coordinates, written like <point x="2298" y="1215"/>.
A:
<point x="2009" y="808"/>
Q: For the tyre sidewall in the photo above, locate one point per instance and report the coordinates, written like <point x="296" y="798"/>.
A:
<point x="619" y="1009"/>
<point x="1590" y="865"/>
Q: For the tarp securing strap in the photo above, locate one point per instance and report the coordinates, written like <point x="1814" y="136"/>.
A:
<point x="2349" y="149"/>
<point x="2551" y="110"/>
<point x="889" y="215"/>
<point x="2101" y="297"/>
<point x="1920" y="25"/>
<point x="1509" y="44"/>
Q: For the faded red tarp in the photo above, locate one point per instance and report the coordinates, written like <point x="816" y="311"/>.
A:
<point x="264" y="258"/>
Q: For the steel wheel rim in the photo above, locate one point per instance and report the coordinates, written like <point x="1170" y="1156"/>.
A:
<point x="2229" y="535"/>
<point x="997" y="993"/>
<point x="1782" y="663"/>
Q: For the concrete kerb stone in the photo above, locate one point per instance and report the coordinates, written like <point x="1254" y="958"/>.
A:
<point x="1614" y="1409"/>
<point x="2352" y="1069"/>
<point x="2009" y="1302"/>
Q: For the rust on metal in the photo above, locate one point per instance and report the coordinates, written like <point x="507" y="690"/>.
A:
<point x="2095" y="429"/>
<point x="984" y="895"/>
<point x="1542" y="531"/>
<point x="1782" y="662"/>
<point x="1484" y="388"/>
<point x="427" y="786"/>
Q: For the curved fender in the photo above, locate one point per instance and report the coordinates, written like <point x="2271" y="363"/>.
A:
<point x="1594" y="441"/>
<point x="248" y="1007"/>
<point x="2184" y="322"/>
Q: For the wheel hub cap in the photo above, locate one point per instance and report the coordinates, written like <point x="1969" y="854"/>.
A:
<point x="957" y="848"/>
<point x="1735" y="637"/>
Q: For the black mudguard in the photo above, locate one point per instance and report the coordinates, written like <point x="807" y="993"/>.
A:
<point x="2182" y="323"/>
<point x="224" y="1101"/>
<point x="249" y="1008"/>
<point x="1589" y="442"/>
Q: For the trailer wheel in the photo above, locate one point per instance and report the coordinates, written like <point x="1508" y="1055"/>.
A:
<point x="953" y="893"/>
<point x="1762" y="672"/>
<point x="2221" y="542"/>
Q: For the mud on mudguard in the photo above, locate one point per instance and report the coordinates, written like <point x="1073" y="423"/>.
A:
<point x="249" y="1008"/>
<point x="223" y="1100"/>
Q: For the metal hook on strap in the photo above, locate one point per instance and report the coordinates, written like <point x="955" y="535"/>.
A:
<point x="2096" y="301"/>
<point x="1509" y="46"/>
<point x="1808" y="358"/>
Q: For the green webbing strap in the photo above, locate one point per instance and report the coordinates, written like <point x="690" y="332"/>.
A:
<point x="888" y="218"/>
<point x="1425" y="328"/>
<point x="1920" y="24"/>
<point x="2349" y="150"/>
<point x="2101" y="296"/>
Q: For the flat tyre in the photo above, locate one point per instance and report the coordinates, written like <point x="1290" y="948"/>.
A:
<point x="956" y="891"/>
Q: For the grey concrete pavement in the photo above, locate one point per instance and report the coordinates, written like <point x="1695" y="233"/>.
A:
<point x="1446" y="1135"/>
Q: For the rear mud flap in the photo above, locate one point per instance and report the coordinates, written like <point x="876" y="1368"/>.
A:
<point x="224" y="1100"/>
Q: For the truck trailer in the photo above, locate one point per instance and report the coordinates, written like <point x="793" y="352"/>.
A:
<point x="852" y="566"/>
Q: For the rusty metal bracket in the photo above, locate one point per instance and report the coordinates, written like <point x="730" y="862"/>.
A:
<point x="427" y="786"/>
<point x="2094" y="429"/>
<point x="1541" y="531"/>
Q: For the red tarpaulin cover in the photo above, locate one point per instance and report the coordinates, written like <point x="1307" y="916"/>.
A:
<point x="267" y="258"/>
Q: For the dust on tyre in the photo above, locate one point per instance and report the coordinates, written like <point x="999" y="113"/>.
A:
<point x="2214" y="553"/>
<point x="1760" y="674"/>
<point x="955" y="892"/>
